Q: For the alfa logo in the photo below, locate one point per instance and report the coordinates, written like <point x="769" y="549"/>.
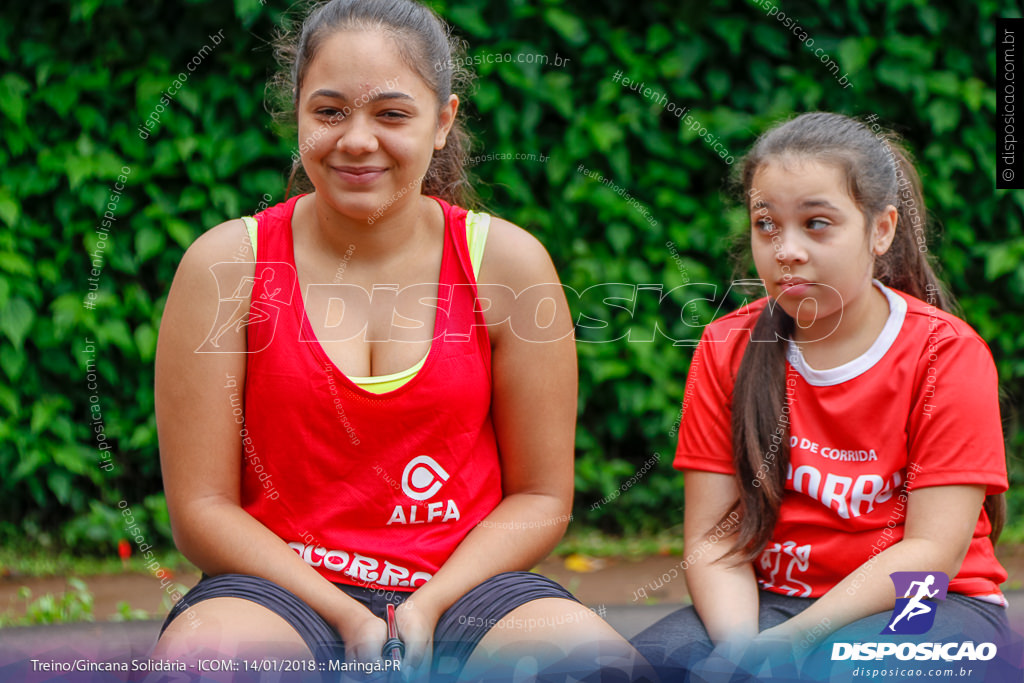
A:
<point x="423" y="477"/>
<point x="915" y="611"/>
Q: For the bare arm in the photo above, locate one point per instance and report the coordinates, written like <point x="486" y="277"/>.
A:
<point x="201" y="445"/>
<point x="939" y="526"/>
<point x="724" y="594"/>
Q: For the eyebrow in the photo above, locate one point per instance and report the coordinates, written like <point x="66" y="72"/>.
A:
<point x="806" y="204"/>
<point x="818" y="203"/>
<point x="334" y="94"/>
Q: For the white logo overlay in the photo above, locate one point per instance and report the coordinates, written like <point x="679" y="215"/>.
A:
<point x="422" y="478"/>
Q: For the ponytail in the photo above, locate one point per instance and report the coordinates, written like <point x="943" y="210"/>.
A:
<point x="760" y="431"/>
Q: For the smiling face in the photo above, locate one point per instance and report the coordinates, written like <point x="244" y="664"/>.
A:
<point x="810" y="243"/>
<point x="368" y="124"/>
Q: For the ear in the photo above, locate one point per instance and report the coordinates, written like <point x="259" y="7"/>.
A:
<point x="445" y="119"/>
<point x="884" y="230"/>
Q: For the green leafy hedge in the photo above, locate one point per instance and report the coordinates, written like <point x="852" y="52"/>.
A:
<point x="82" y="78"/>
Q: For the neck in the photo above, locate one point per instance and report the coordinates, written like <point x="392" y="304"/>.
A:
<point x="839" y="338"/>
<point x="400" y="225"/>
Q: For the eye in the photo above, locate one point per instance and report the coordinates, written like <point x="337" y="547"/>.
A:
<point x="394" y="115"/>
<point x="330" y="113"/>
<point x="764" y="225"/>
<point x="817" y="224"/>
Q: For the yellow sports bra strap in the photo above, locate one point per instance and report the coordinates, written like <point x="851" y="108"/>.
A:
<point x="477" y="225"/>
<point x="250" y="225"/>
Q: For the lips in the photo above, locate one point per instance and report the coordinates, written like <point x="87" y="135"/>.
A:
<point x="793" y="286"/>
<point x="789" y="282"/>
<point x="359" y="175"/>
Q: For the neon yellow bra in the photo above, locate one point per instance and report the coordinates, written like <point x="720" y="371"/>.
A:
<point x="477" y="225"/>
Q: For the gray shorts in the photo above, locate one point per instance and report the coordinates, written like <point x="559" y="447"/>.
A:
<point x="679" y="647"/>
<point x="458" y="631"/>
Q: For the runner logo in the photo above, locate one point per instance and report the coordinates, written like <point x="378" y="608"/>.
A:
<point x="914" y="613"/>
<point x="423" y="477"/>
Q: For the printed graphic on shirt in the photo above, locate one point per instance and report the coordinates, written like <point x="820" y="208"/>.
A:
<point x="780" y="563"/>
<point x="423" y="478"/>
<point x="914" y="613"/>
<point x="360" y="568"/>
<point x="847" y="496"/>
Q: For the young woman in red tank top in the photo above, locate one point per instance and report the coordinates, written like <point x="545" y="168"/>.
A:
<point x="362" y="411"/>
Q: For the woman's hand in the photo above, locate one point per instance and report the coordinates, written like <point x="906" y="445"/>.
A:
<point x="363" y="637"/>
<point x="770" y="653"/>
<point x="416" y="624"/>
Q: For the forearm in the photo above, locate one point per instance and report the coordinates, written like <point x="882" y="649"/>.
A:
<point x="725" y="598"/>
<point x="517" y="534"/>
<point x="868" y="589"/>
<point x="220" y="537"/>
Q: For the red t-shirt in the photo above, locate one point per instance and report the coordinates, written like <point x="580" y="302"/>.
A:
<point x="373" y="490"/>
<point x="919" y="408"/>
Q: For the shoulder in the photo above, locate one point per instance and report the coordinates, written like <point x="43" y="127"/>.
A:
<point x="224" y="250"/>
<point x="932" y="327"/>
<point x="735" y="327"/>
<point x="515" y="258"/>
<point x="226" y="240"/>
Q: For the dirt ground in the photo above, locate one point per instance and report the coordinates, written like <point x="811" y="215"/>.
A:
<point x="601" y="582"/>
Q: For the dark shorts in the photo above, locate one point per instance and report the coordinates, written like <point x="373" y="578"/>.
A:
<point x="458" y="631"/>
<point x="679" y="646"/>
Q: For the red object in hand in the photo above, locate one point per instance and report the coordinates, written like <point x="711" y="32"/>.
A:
<point x="393" y="648"/>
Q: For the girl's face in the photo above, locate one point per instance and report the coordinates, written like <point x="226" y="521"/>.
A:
<point x="810" y="243"/>
<point x="368" y="124"/>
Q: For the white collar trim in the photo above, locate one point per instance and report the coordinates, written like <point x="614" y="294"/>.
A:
<point x="862" y="363"/>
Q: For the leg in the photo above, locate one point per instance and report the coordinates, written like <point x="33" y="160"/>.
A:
<point x="235" y="616"/>
<point x="675" y="643"/>
<point x="679" y="642"/>
<point x="515" y="624"/>
<point x="553" y="638"/>
<point x="230" y="628"/>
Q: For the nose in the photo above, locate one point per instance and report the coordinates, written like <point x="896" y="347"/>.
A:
<point x="789" y="247"/>
<point x="358" y="137"/>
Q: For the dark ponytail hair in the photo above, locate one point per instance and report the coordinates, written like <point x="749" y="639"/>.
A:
<point x="879" y="173"/>
<point x="426" y="45"/>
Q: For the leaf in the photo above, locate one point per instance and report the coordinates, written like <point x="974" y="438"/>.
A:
<point x="145" y="340"/>
<point x="16" y="320"/>
<point x="945" y="115"/>
<point x="10" y="211"/>
<point x="59" y="483"/>
<point x="568" y="25"/>
<point x="181" y="232"/>
<point x="148" y="243"/>
<point x="468" y="17"/>
<point x="12" y="97"/>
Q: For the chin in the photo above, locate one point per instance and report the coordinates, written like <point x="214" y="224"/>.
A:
<point x="358" y="207"/>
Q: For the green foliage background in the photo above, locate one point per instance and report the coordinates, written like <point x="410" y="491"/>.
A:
<point x="79" y="78"/>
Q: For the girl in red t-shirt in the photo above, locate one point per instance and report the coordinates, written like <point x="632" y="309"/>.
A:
<point x="346" y="425"/>
<point x="840" y="430"/>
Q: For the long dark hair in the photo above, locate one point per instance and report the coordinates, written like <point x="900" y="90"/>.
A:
<point x="879" y="173"/>
<point x="426" y="45"/>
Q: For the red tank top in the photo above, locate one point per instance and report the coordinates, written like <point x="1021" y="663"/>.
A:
<point x="370" y="489"/>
